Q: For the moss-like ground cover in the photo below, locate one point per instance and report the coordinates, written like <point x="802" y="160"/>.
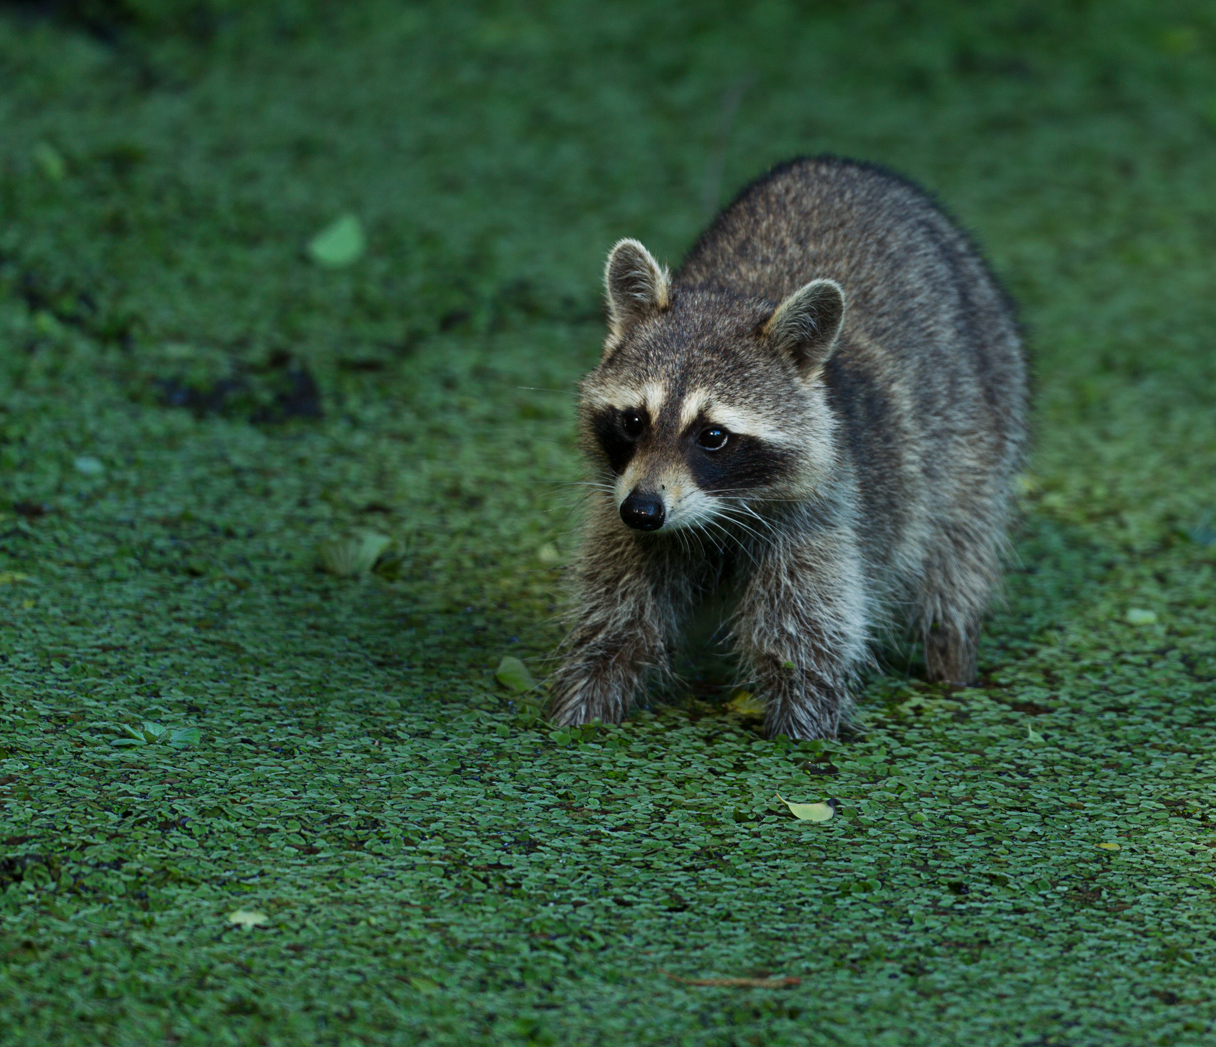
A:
<point x="191" y="403"/>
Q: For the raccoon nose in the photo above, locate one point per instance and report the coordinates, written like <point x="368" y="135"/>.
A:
<point x="643" y="512"/>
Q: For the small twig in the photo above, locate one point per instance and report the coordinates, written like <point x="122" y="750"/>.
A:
<point x="736" y="983"/>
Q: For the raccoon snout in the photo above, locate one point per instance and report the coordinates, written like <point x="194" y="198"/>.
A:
<point x="643" y="511"/>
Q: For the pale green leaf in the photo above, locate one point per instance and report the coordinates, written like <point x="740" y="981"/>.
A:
<point x="248" y="918"/>
<point x="339" y="244"/>
<point x="514" y="675"/>
<point x="809" y="812"/>
<point x="47" y="157"/>
<point x="89" y="466"/>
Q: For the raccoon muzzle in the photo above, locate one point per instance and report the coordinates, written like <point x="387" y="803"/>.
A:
<point x="643" y="511"/>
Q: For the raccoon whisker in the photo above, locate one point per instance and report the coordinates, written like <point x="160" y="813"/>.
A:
<point x="724" y="512"/>
<point x="699" y="534"/>
<point x="731" y="509"/>
<point x="580" y="483"/>
<point x="769" y="525"/>
<point x="713" y="522"/>
<point x="754" y="497"/>
<point x="690" y="537"/>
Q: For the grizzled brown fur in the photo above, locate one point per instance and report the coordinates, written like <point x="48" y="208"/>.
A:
<point x="820" y="414"/>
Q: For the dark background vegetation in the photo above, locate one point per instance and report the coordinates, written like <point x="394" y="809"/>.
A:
<point x="195" y="411"/>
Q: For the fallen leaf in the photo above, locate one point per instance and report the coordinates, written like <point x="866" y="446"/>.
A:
<point x="246" y="918"/>
<point x="809" y="812"/>
<point x="1032" y="734"/>
<point x="514" y="675"/>
<point x="744" y="703"/>
<point x="347" y="557"/>
<point x="549" y="555"/>
<point x="47" y="157"/>
<point x="736" y="983"/>
<point x="1139" y="616"/>
<point x="89" y="466"/>
<point x="339" y="244"/>
<point x="13" y="577"/>
<point x="1108" y="846"/>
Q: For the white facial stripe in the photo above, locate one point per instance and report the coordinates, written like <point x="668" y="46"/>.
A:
<point x="618" y="396"/>
<point x="747" y="423"/>
<point x="694" y="403"/>
<point x="621" y="397"/>
<point x="653" y="395"/>
<point x="700" y="403"/>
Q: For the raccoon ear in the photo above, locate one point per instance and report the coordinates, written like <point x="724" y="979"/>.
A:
<point x="636" y="284"/>
<point x="805" y="326"/>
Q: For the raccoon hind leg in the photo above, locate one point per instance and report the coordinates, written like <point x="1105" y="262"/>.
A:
<point x="952" y="651"/>
<point x="954" y="596"/>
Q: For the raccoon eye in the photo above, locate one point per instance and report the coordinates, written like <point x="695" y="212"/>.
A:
<point x="633" y="423"/>
<point x="713" y="439"/>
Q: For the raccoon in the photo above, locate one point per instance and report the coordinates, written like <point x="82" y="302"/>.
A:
<point x="820" y="414"/>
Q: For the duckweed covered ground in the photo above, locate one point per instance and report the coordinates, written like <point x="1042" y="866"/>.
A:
<point x="191" y="403"/>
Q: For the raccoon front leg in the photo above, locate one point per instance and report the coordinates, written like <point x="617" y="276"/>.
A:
<point x="626" y="619"/>
<point x="803" y="628"/>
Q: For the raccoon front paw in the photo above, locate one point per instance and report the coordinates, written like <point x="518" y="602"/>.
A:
<point x="802" y="727"/>
<point x="804" y="706"/>
<point x="582" y="697"/>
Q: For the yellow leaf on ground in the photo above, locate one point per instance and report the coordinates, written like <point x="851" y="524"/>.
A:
<point x="13" y="577"/>
<point x="1139" y="616"/>
<point x="809" y="812"/>
<point x="246" y="918"/>
<point x="744" y="703"/>
<point x="1107" y="846"/>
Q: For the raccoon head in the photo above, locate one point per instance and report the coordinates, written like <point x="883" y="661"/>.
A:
<point x="707" y="403"/>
